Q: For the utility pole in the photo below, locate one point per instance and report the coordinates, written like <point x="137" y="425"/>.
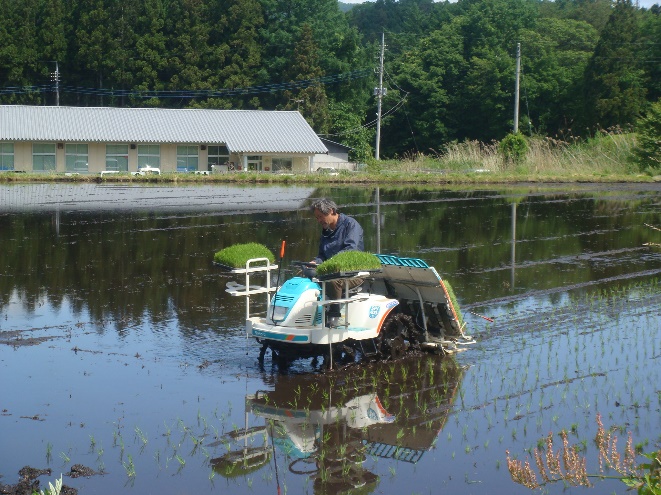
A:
<point x="379" y="93"/>
<point x="55" y="77"/>
<point x="516" y="88"/>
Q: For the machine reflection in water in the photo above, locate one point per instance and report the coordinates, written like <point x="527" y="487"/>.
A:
<point x="327" y="426"/>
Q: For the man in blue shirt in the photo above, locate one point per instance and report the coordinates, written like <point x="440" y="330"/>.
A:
<point x="339" y="233"/>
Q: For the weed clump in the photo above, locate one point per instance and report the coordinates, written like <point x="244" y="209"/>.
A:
<point x="237" y="255"/>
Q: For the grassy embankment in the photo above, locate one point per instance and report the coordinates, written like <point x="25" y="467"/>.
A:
<point x="607" y="157"/>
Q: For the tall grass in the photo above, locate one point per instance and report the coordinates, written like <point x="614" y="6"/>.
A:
<point x="608" y="155"/>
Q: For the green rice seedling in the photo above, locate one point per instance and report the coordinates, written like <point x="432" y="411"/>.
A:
<point x="139" y="433"/>
<point x="65" y="458"/>
<point x="129" y="466"/>
<point x="454" y="301"/>
<point x="49" y="452"/>
<point x="348" y="261"/>
<point x="52" y="490"/>
<point x="237" y="255"/>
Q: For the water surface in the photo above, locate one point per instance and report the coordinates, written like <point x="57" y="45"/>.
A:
<point x="139" y="366"/>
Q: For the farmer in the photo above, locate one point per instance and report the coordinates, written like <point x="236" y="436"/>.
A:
<point x="339" y="233"/>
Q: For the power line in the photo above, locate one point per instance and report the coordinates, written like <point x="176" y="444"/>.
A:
<point x="187" y="93"/>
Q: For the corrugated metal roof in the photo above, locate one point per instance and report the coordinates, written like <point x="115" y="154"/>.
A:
<point x="244" y="131"/>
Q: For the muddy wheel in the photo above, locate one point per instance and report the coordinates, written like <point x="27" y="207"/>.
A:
<point x="348" y="354"/>
<point x="410" y="331"/>
<point x="392" y="337"/>
<point x="450" y="325"/>
<point x="397" y="347"/>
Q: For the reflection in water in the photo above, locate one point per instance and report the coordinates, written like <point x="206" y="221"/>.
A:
<point x="150" y="266"/>
<point x="578" y="332"/>
<point x="31" y="197"/>
<point x="327" y="427"/>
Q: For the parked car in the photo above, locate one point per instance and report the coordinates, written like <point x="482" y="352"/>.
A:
<point x="328" y="171"/>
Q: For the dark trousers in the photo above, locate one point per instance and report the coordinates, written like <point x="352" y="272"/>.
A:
<point x="335" y="289"/>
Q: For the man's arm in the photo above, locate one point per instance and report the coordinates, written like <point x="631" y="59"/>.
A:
<point x="353" y="239"/>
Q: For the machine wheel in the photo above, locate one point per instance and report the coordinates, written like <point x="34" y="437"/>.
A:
<point x="397" y="347"/>
<point x="450" y="325"/>
<point x="392" y="337"/>
<point x="348" y="353"/>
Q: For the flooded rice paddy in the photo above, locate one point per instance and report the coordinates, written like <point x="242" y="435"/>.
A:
<point x="121" y="352"/>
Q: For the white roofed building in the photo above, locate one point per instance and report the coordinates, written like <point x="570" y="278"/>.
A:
<point x="105" y="139"/>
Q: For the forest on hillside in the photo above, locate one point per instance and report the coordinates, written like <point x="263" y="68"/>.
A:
<point x="449" y="68"/>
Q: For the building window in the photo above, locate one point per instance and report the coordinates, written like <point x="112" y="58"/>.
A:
<point x="187" y="158"/>
<point x="149" y="155"/>
<point x="76" y="158"/>
<point x="6" y="156"/>
<point x="117" y="157"/>
<point x="43" y="157"/>
<point x="281" y="164"/>
<point x="254" y="163"/>
<point x="218" y="155"/>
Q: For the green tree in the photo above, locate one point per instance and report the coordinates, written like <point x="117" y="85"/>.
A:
<point x="9" y="72"/>
<point x="650" y="52"/>
<point x="337" y="44"/>
<point x="648" y="133"/>
<point x="614" y="83"/>
<point x="346" y="128"/>
<point x="119" y="61"/>
<point x="52" y="37"/>
<point x="594" y="12"/>
<point x="188" y="33"/>
<point x="487" y="96"/>
<point x="310" y="100"/>
<point x="93" y="40"/>
<point x="20" y="63"/>
<point x="149" y="55"/>
<point x="236" y="50"/>
<point x="432" y="75"/>
<point x="554" y="58"/>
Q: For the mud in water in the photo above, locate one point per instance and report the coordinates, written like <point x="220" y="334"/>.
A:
<point x="29" y="482"/>
<point x="125" y="366"/>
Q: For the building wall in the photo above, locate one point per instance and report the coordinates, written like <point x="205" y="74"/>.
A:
<point x="23" y="157"/>
<point x="339" y="161"/>
<point x="96" y="158"/>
